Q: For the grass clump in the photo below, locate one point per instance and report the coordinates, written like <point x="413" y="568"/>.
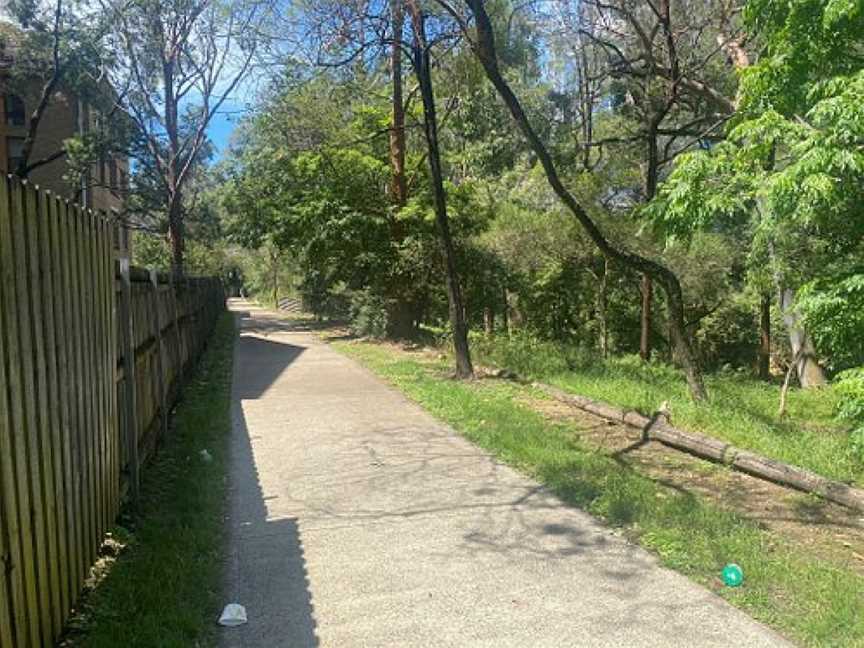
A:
<point x="812" y="601"/>
<point x="164" y="588"/>
<point x="741" y="410"/>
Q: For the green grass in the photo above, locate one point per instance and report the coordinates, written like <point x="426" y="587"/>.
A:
<point x="742" y="410"/>
<point x="809" y="600"/>
<point x="164" y="588"/>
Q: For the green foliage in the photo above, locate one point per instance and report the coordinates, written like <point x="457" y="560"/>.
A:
<point x="850" y="387"/>
<point x="834" y="311"/>
<point x="805" y="41"/>
<point x="727" y="335"/>
<point x="530" y="356"/>
<point x="368" y="314"/>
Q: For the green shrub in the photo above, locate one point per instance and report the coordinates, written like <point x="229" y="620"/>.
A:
<point x="529" y="356"/>
<point x="850" y="387"/>
<point x="368" y="314"/>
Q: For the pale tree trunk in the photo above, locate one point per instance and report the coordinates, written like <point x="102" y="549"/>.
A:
<point x="602" y="309"/>
<point x="647" y="291"/>
<point x="423" y="69"/>
<point x="505" y="310"/>
<point x="765" y="337"/>
<point x="489" y="320"/>
<point x="274" y="259"/>
<point x="810" y="373"/>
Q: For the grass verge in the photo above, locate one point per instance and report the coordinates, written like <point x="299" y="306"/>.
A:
<point x="742" y="410"/>
<point x="163" y="590"/>
<point x="808" y="600"/>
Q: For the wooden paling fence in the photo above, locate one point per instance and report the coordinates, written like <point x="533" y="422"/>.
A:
<point x="92" y="356"/>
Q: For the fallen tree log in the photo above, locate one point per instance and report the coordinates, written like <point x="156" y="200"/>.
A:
<point x="657" y="428"/>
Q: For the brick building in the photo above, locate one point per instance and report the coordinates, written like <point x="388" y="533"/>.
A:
<point x="66" y="116"/>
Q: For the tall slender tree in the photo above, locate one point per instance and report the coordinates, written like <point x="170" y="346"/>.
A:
<point x="423" y="69"/>
<point x="483" y="44"/>
<point x="182" y="60"/>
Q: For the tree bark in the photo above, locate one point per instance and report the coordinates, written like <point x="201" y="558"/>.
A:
<point x="401" y="317"/>
<point x="484" y="48"/>
<point x="505" y="310"/>
<point x="765" y="337"/>
<point x="398" y="186"/>
<point x="647" y="299"/>
<point x="489" y="320"/>
<point x="175" y="235"/>
<point x="423" y="70"/>
<point x="602" y="308"/>
<point x="810" y="373"/>
<point x="274" y="259"/>
<point x="657" y="428"/>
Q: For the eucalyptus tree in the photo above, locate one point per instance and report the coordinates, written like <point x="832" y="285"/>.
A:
<point x="664" y="66"/>
<point x="355" y="36"/>
<point x="483" y="43"/>
<point x="791" y="171"/>
<point x="180" y="61"/>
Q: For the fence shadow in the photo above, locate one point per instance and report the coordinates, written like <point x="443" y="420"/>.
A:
<point x="266" y="567"/>
<point x="264" y="359"/>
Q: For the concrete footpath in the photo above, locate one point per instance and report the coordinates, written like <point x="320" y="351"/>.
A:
<point x="356" y="519"/>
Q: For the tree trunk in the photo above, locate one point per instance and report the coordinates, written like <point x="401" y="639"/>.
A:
<point x="489" y="320"/>
<point x="647" y="299"/>
<point x="423" y="70"/>
<point x="602" y="307"/>
<point x="484" y="48"/>
<point x="765" y="338"/>
<point x="505" y="310"/>
<point x="398" y="185"/>
<point x="810" y="373"/>
<point x="175" y="235"/>
<point x="274" y="259"/>
<point x="401" y="316"/>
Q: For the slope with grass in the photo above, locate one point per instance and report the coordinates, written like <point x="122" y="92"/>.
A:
<point x="812" y="601"/>
<point x="742" y="410"/>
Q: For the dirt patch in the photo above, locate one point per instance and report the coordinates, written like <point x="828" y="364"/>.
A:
<point x="822" y="528"/>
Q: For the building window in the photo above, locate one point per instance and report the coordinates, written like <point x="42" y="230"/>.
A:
<point x="112" y="171"/>
<point x="14" y="152"/>
<point x="14" y="110"/>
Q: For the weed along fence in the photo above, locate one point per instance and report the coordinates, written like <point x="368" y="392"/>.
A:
<point x="92" y="354"/>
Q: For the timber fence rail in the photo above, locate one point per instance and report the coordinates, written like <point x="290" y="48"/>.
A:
<point x="93" y="355"/>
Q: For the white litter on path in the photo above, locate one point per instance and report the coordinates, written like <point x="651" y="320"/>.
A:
<point x="233" y="615"/>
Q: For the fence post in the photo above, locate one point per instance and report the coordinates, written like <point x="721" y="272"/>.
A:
<point x="160" y="353"/>
<point x="129" y="376"/>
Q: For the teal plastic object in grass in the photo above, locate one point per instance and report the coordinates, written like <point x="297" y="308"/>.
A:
<point x="733" y="575"/>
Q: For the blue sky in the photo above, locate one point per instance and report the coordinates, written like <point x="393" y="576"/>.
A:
<point x="223" y="124"/>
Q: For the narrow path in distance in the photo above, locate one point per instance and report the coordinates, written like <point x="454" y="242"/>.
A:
<point x="356" y="519"/>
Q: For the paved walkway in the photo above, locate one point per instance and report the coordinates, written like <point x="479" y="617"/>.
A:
<point x="358" y="520"/>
